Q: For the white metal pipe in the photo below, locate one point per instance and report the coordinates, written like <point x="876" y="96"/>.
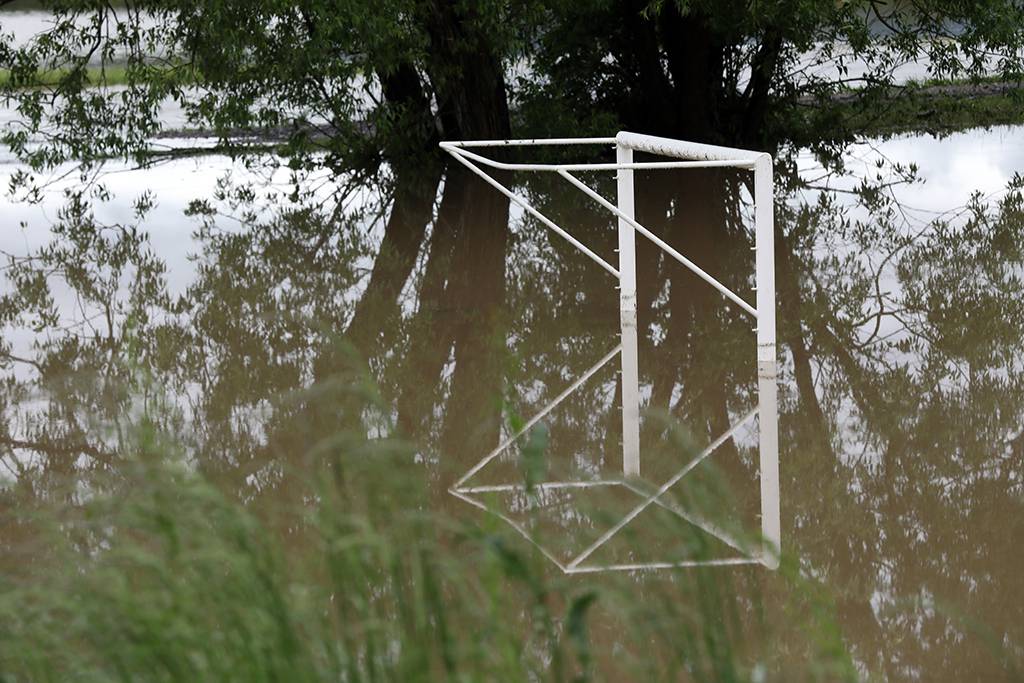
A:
<point x="538" y="215"/>
<point x="631" y="515"/>
<point x="652" y="566"/>
<point x="529" y="142"/>
<point x="537" y="418"/>
<point x="697" y="270"/>
<point x="630" y="383"/>
<point x="541" y="486"/>
<point x="768" y="427"/>
<point x="643" y="165"/>
<point x="695" y="520"/>
<point x="630" y="378"/>
<point x="515" y="525"/>
<point x="682" y="149"/>
<point x="627" y="238"/>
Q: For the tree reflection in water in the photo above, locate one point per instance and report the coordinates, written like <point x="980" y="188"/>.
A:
<point x="901" y="380"/>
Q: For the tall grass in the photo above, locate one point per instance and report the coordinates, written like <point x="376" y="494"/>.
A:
<point x="356" y="572"/>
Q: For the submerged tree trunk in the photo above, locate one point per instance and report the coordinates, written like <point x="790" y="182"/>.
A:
<point x="467" y="75"/>
<point x="404" y="234"/>
<point x="468" y="80"/>
<point x="695" y="59"/>
<point x="477" y="289"/>
<point x="409" y="107"/>
<point x="417" y="173"/>
<point x="430" y="330"/>
<point x="416" y="178"/>
<point x="648" y="106"/>
<point x="674" y="67"/>
<point x="461" y="306"/>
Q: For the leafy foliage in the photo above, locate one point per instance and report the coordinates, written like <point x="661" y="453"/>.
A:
<point x="349" y="86"/>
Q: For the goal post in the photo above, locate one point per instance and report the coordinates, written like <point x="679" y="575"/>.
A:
<point x="684" y="154"/>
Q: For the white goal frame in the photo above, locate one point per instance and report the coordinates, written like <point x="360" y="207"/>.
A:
<point x="687" y="155"/>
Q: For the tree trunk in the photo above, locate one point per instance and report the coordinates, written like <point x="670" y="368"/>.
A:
<point x="647" y="107"/>
<point x="695" y="61"/>
<point x="762" y="73"/>
<point x="467" y="76"/>
<point x="413" y="124"/>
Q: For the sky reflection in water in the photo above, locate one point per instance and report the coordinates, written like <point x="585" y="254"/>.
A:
<point x="901" y="458"/>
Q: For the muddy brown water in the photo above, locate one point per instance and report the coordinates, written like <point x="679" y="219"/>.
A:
<point x="901" y="405"/>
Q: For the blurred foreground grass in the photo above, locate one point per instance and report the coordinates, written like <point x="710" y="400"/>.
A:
<point x="152" y="572"/>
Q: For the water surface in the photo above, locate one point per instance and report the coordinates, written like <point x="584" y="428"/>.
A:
<point x="900" y="328"/>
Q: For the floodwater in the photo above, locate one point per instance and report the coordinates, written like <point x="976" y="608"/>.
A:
<point x="901" y="330"/>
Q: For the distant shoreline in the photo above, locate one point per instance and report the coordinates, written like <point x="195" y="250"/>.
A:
<point x="939" y="108"/>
